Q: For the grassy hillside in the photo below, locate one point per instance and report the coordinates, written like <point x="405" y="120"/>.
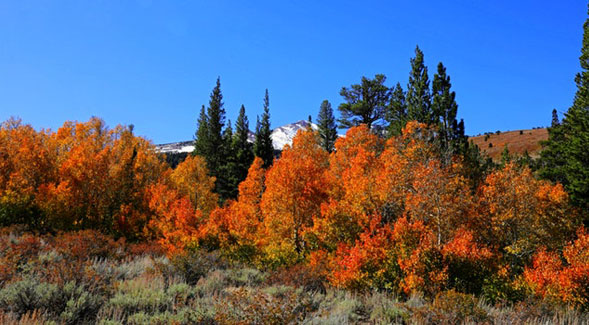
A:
<point x="517" y="142"/>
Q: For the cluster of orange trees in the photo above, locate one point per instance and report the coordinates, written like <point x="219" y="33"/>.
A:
<point x="375" y="213"/>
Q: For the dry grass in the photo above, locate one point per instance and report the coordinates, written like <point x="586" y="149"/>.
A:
<point x="517" y="142"/>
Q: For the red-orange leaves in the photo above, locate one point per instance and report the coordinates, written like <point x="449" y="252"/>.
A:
<point x="568" y="282"/>
<point x="180" y="208"/>
<point x="353" y="195"/>
<point x="468" y="262"/>
<point x="463" y="246"/>
<point x="176" y="221"/>
<point x="418" y="258"/>
<point x="100" y="179"/>
<point x="295" y="189"/>
<point x="27" y="161"/>
<point x="367" y="263"/>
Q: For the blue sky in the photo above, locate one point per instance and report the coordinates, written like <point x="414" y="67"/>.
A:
<point x="154" y="63"/>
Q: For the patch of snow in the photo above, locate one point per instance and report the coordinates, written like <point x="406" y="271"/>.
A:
<point x="284" y="135"/>
<point x="281" y="136"/>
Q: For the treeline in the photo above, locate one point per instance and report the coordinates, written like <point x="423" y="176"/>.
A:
<point x="384" y="110"/>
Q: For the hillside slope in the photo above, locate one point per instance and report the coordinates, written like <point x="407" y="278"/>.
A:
<point x="517" y="142"/>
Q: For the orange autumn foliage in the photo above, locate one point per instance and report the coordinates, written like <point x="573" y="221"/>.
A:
<point x="240" y="222"/>
<point x="295" y="189"/>
<point x="181" y="208"/>
<point x="439" y="197"/>
<point x="176" y="221"/>
<point x="523" y="213"/>
<point x="418" y="258"/>
<point x="464" y="246"/>
<point x="391" y="215"/>
<point x="364" y="264"/>
<point x="567" y="280"/>
<point x="27" y="161"/>
<point x="101" y="179"/>
<point x="191" y="180"/>
<point x="353" y="167"/>
<point x="469" y="262"/>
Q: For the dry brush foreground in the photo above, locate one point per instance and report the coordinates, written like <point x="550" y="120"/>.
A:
<point x="86" y="278"/>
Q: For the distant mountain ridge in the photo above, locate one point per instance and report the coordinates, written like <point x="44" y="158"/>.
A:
<point x="281" y="136"/>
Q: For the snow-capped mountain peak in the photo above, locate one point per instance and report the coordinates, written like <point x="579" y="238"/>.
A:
<point x="281" y="136"/>
<point x="284" y="135"/>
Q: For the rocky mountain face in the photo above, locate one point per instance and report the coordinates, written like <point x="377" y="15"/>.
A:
<point x="281" y="136"/>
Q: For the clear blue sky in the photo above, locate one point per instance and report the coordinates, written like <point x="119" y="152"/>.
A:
<point x="154" y="63"/>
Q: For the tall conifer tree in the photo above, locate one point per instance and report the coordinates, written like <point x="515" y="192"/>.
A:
<point x="228" y="183"/>
<point x="418" y="92"/>
<point x="201" y="135"/>
<point x="444" y="109"/>
<point x="210" y="143"/>
<point x="327" y="126"/>
<point x="397" y="111"/>
<point x="263" y="147"/>
<point x="565" y="157"/>
<point x="244" y="152"/>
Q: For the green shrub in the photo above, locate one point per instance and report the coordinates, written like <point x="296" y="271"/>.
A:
<point x="27" y="295"/>
<point x="386" y="309"/>
<point x="245" y="277"/>
<point x="498" y="289"/>
<point x="140" y="295"/>
<point x="71" y="304"/>
<point x="81" y="306"/>
<point x="217" y="280"/>
<point x="184" y="316"/>
<point x="148" y="295"/>
<point x="340" y="307"/>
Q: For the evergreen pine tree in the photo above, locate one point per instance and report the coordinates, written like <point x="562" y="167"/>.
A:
<point x="263" y="145"/>
<point x="555" y="121"/>
<point x="228" y="183"/>
<point x="365" y="103"/>
<point x="460" y="141"/>
<point x="216" y="122"/>
<point x="201" y="135"/>
<point x="244" y="152"/>
<point x="444" y="108"/>
<point x="526" y="160"/>
<point x="397" y="111"/>
<point x="418" y="92"/>
<point x="327" y="126"/>
<point x="565" y="157"/>
<point x="476" y="165"/>
<point x="213" y="148"/>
